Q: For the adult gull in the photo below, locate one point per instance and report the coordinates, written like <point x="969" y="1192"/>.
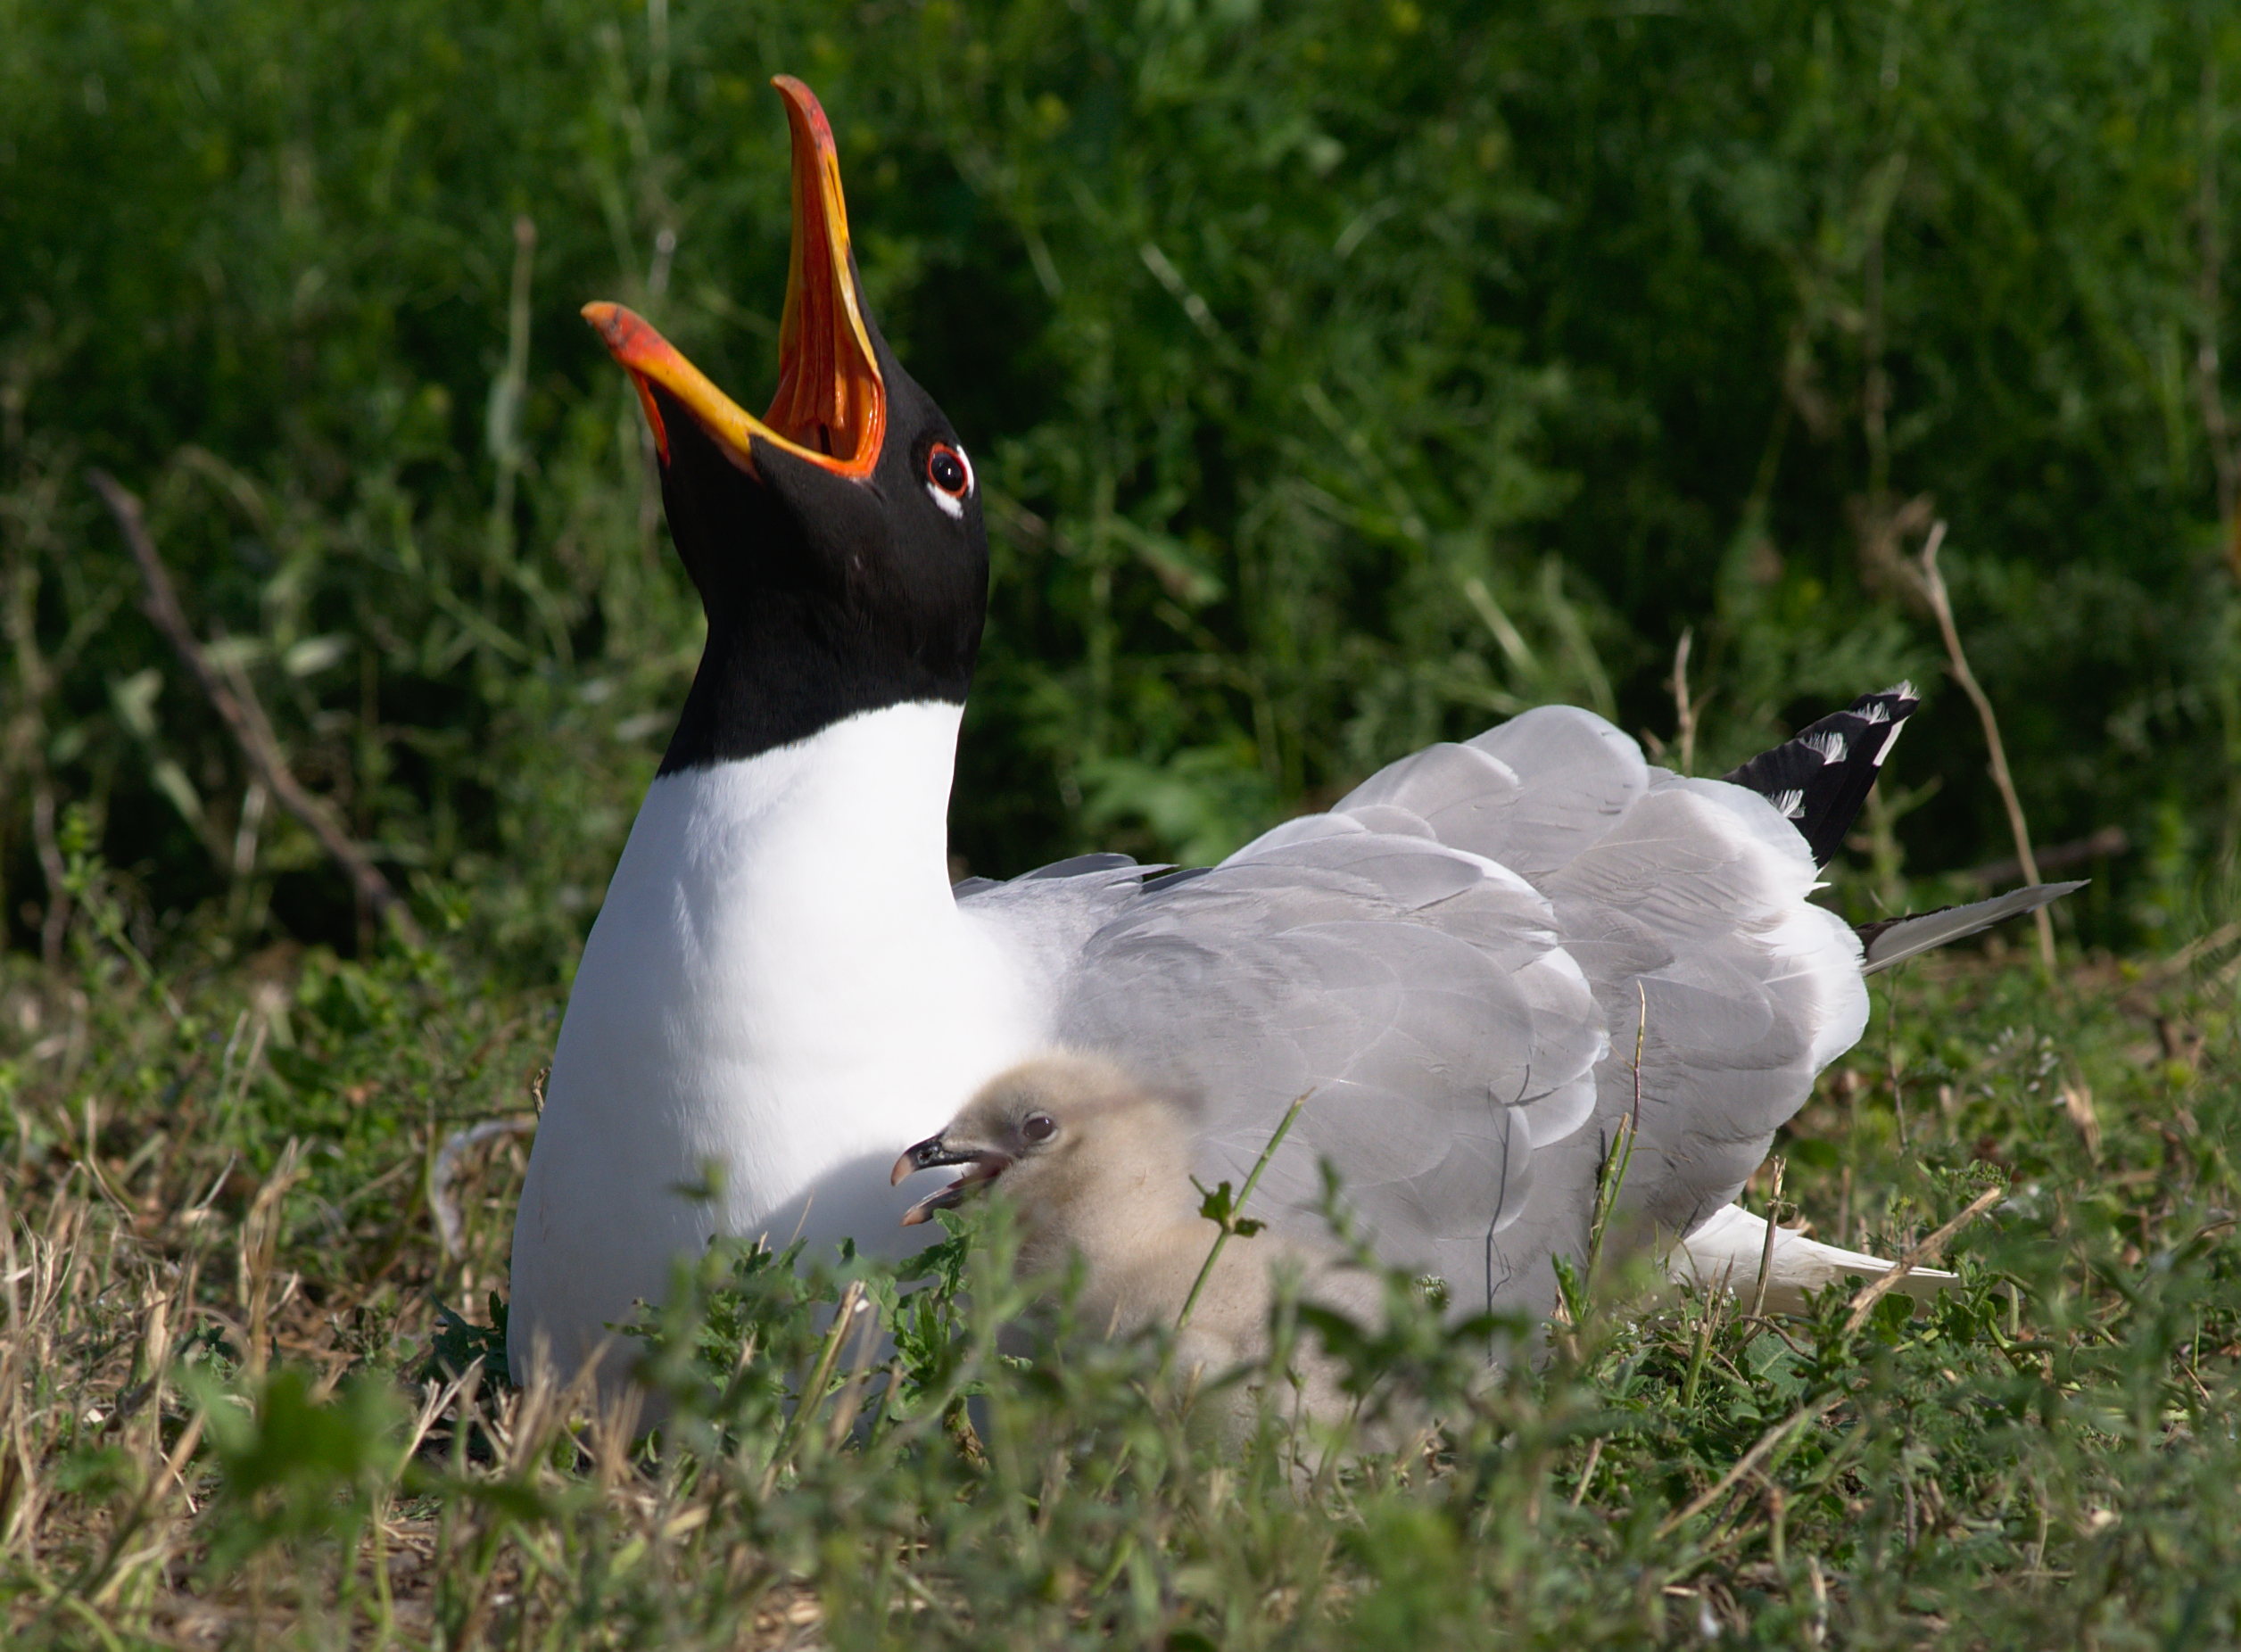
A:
<point x="1458" y="960"/>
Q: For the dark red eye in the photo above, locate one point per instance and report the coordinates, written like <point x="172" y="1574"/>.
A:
<point x="945" y="468"/>
<point x="1039" y="1128"/>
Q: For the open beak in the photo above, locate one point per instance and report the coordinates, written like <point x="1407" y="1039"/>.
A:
<point x="982" y="1164"/>
<point x="831" y="408"/>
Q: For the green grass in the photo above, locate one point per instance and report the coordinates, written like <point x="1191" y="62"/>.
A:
<point x="234" y="1411"/>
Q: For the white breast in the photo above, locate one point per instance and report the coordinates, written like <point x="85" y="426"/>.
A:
<point x="780" y="994"/>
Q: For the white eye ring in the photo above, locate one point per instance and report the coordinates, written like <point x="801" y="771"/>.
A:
<point x="950" y="499"/>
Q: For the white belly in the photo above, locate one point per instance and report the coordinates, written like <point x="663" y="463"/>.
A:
<point x="779" y="996"/>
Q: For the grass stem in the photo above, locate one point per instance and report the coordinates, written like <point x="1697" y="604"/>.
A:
<point x="1230" y="1220"/>
<point x="1915" y="1254"/>
<point x="1611" y="1178"/>
<point x="1934" y="586"/>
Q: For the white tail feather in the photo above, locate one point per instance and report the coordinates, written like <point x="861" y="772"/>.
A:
<point x="1725" y="1252"/>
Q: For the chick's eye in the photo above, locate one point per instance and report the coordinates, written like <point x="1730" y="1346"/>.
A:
<point x="1039" y="1128"/>
<point x="948" y="478"/>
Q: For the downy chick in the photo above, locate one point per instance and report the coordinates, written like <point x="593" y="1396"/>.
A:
<point x="1097" y="1165"/>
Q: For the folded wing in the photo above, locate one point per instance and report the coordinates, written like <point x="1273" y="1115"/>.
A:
<point x="1456" y="965"/>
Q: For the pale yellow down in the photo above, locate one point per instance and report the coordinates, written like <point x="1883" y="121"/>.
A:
<point x="1112" y="1184"/>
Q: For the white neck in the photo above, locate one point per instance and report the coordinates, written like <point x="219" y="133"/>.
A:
<point x="780" y="983"/>
<point x="838" y="833"/>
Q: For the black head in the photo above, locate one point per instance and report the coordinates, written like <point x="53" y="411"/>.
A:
<point x="838" y="543"/>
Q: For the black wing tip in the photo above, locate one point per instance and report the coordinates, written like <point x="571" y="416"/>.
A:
<point x="1819" y="779"/>
<point x="1903" y="692"/>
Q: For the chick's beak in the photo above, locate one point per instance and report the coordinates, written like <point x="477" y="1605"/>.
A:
<point x="831" y="408"/>
<point x="980" y="1165"/>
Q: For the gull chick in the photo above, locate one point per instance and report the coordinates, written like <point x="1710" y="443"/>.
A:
<point x="1097" y="1164"/>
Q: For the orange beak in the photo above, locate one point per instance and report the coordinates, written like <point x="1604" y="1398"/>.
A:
<point x="831" y="408"/>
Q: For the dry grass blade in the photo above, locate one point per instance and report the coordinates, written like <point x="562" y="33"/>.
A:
<point x="445" y="1166"/>
<point x="1766" y="1248"/>
<point x="244" y="716"/>
<point x="1684" y="709"/>
<point x="1933" y="587"/>
<point x="1914" y="1255"/>
<point x="260" y="1244"/>
<point x="1750" y="1459"/>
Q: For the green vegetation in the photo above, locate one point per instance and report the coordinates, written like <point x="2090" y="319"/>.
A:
<point x="231" y="1412"/>
<point x="1342" y="375"/>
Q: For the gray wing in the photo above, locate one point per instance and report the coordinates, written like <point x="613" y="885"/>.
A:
<point x="1683" y="904"/>
<point x="1455" y="961"/>
<point x="1418" y="995"/>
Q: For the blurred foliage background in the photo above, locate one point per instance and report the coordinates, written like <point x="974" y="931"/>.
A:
<point x="1342" y="375"/>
